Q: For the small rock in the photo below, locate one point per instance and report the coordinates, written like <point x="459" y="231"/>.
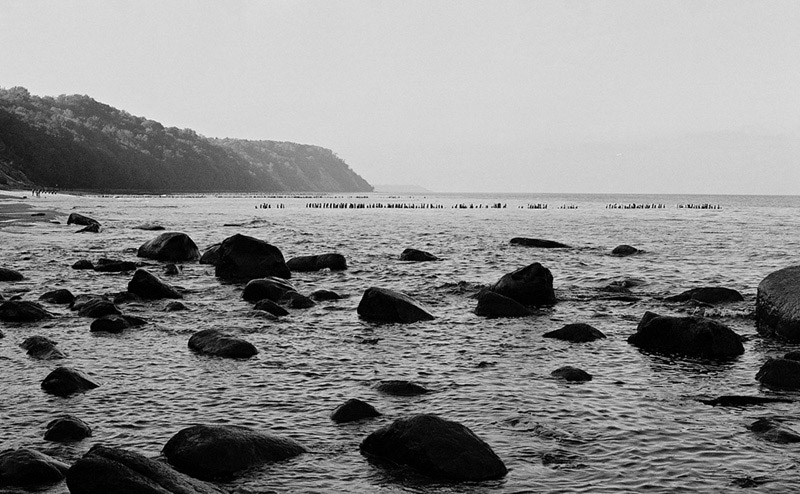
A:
<point x="538" y="243"/>
<point x="29" y="468"/>
<point x="334" y="262"/>
<point x="266" y="288"/>
<point x="42" y="348"/>
<point x="384" y="305"/>
<point x="624" y="250"/>
<point x="79" y="219"/>
<point x="297" y="301"/>
<point x="90" y="229"/>
<point x="172" y="270"/>
<point x="10" y="275"/>
<point x="215" y="342"/>
<point x="708" y="295"/>
<point x="67" y="429"/>
<point x="323" y="295"/>
<point x="491" y="304"/>
<point x="415" y="255"/>
<point x="271" y="307"/>
<point x="114" y="266"/>
<point x="64" y="381"/>
<point x="115" y="323"/>
<point x="23" y="311"/>
<point x="780" y="373"/>
<point x="687" y="336"/>
<point x="60" y="296"/>
<point x="352" y="410"/>
<point x="150" y="287"/>
<point x="576" y="333"/>
<point x="96" y="307"/>
<point x="772" y="431"/>
<point x="572" y="374"/>
<point x="174" y="307"/>
<point x="170" y="247"/>
<point x="401" y="388"/>
<point x="83" y="264"/>
<point x="530" y="286"/>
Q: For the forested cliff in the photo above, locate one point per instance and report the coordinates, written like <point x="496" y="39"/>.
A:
<point x="74" y="142"/>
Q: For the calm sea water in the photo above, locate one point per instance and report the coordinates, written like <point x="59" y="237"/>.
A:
<point x="636" y="426"/>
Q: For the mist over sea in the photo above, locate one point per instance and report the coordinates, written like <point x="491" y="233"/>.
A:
<point x="636" y="426"/>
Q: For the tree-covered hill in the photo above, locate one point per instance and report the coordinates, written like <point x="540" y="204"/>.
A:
<point x="74" y="142"/>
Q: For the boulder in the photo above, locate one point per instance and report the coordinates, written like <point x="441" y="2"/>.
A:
<point x="211" y="255"/>
<point x="268" y="305"/>
<point x="773" y="431"/>
<point x="114" y="266"/>
<point x="220" y="451"/>
<point x="576" y="333"/>
<point x="530" y="286"/>
<point x="42" y="348"/>
<point x="573" y="374"/>
<point x="323" y="295"/>
<point x="79" y="219"/>
<point x="64" y="381"/>
<point x="538" y="243"/>
<point x="295" y="300"/>
<point x="28" y="468"/>
<point x="10" y="275"/>
<point x="417" y="256"/>
<point x="384" y="305"/>
<point x="66" y="429"/>
<point x="492" y="304"/>
<point x="435" y="447"/>
<point x="105" y="470"/>
<point x="401" y="388"/>
<point x="352" y="410"/>
<point x="90" y="229"/>
<point x="708" y="295"/>
<point x="115" y="323"/>
<point x="778" y="305"/>
<point x="175" y="306"/>
<point x="780" y="373"/>
<point x="243" y="258"/>
<point x="624" y="250"/>
<point x="170" y="247"/>
<point x="95" y="307"/>
<point x="23" y="311"/>
<point x="60" y="296"/>
<point x="215" y="342"/>
<point x="266" y="288"/>
<point x="148" y="286"/>
<point x="687" y="336"/>
<point x="334" y="262"/>
<point x="83" y="264"/>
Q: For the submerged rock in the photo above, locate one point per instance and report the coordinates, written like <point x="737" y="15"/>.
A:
<point x="384" y="305"/>
<point x="773" y="431"/>
<point x="114" y="266"/>
<point x="401" y="388"/>
<point x="90" y="229"/>
<point x="742" y="401"/>
<point x="114" y="323"/>
<point x="352" y="410"/>
<point x="323" y="295"/>
<point x="23" y="311"/>
<point x="708" y="295"/>
<point x="25" y="467"/>
<point x="538" y="243"/>
<point x="569" y="373"/>
<point x="687" y="336"/>
<point x="67" y="429"/>
<point x="148" y="286"/>
<point x="417" y="256"/>
<point x="42" y="348"/>
<point x="10" y="275"/>
<point x="295" y="300"/>
<point x="778" y="305"/>
<point x="435" y="447"/>
<point x="780" y="373"/>
<point x="170" y="247"/>
<point x="530" y="286"/>
<point x="334" y="262"/>
<point x="220" y="451"/>
<point x="268" y="305"/>
<point x="175" y="306"/>
<point x="576" y="333"/>
<point x="215" y="342"/>
<point x="269" y="288"/>
<point x="64" y="381"/>
<point x="492" y="304"/>
<point x="149" y="227"/>
<point x="243" y="258"/>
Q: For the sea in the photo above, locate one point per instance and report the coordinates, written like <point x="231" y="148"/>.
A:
<point x="637" y="426"/>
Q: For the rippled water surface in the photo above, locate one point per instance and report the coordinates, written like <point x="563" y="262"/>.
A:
<point x="636" y="426"/>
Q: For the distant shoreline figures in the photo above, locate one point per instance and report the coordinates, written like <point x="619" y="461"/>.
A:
<point x="699" y="206"/>
<point x="39" y="192"/>
<point x="635" y="206"/>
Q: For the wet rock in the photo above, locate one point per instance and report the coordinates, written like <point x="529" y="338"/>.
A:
<point x="778" y="305"/>
<point x="29" y="468"/>
<point x="114" y="266"/>
<point x="64" y="381"/>
<point x="687" y="336"/>
<point x="90" y="229"/>
<point x="215" y="342"/>
<point x="384" y="305"/>
<point x="708" y="295"/>
<point x="114" y="323"/>
<point x="323" y="295"/>
<point x="435" y="447"/>
<point x="220" y="451"/>
<point x="269" y="288"/>
<point x="417" y="256"/>
<point x="149" y="227"/>
<point x="576" y="333"/>
<point x="780" y="373"/>
<point x="148" y="286"/>
<point x="172" y="270"/>
<point x="23" y="311"/>
<point x="295" y="300"/>
<point x="352" y="410"/>
<point x="243" y="258"/>
<point x="211" y="255"/>
<point x="492" y="304"/>
<point x="530" y="286"/>
<point x="268" y="305"/>
<point x="334" y="262"/>
<point x="795" y="355"/>
<point x="41" y="348"/>
<point x="105" y="470"/>
<point x="572" y="374"/>
<point x="83" y="264"/>
<point x="10" y="275"/>
<point x="67" y="429"/>
<point x="170" y="247"/>
<point x="538" y="243"/>
<point x="96" y="307"/>
<point x="401" y="388"/>
<point x="79" y="219"/>
<point x="60" y="296"/>
<point x="624" y="250"/>
<point x="742" y="401"/>
<point x="175" y="307"/>
<point x="773" y="431"/>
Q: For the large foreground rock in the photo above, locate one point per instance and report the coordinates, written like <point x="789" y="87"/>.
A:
<point x="170" y="247"/>
<point x="242" y="258"/>
<point x="778" y="305"/>
<point x="780" y="373"/>
<point x="492" y="304"/>
<point x="687" y="336"/>
<point x="215" y="342"/>
<point x="384" y="305"/>
<point x="334" y="262"/>
<point x="29" y="468"/>
<point x="23" y="311"/>
<point x="105" y="470"/>
<point x="149" y="286"/>
<point x="530" y="286"/>
<point x="435" y="447"/>
<point x="218" y="451"/>
<point x="708" y="295"/>
<point x="64" y="381"/>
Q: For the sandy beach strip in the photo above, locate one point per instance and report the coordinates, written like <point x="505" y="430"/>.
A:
<point x="17" y="207"/>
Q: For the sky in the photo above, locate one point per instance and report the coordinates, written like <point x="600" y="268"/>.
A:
<point x="585" y="96"/>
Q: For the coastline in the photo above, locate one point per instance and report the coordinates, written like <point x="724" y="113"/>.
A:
<point x="16" y="206"/>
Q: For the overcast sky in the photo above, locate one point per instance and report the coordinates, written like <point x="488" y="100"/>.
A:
<point x="632" y="96"/>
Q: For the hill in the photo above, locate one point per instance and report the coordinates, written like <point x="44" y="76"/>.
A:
<point x="75" y="142"/>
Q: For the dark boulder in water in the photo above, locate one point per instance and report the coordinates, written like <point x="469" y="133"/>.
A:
<point x="295" y="300"/>
<point x="780" y="373"/>
<point x="60" y="296"/>
<point x="742" y="401"/>
<point x="64" y="381"/>
<point x="170" y="247"/>
<point x="416" y="255"/>
<point x="352" y="410"/>
<point x="67" y="429"/>
<point x="29" y="468"/>
<point x="175" y="307"/>
<point x="778" y="305"/>
<point x="492" y="304"/>
<point x="149" y="227"/>
<point x="773" y="431"/>
<point x="42" y="348"/>
<point x="384" y="305"/>
<point x="576" y="333"/>
<point x="334" y="262"/>
<point x="83" y="264"/>
<point x="243" y="258"/>
<point x="10" y="275"/>
<point x="220" y="451"/>
<point x="708" y="295"/>
<point x="114" y="266"/>
<point x="148" y="286"/>
<point x="215" y="342"/>
<point x="530" y="286"/>
<point x="401" y="388"/>
<point x="687" y="336"/>
<point x="268" y="305"/>
<point x="538" y="243"/>
<point x="114" y="323"/>
<point x="323" y="295"/>
<point x="90" y="229"/>
<point x="569" y="373"/>
<point x="79" y="219"/>
<point x="23" y="311"/>
<point x="435" y="447"/>
<point x="211" y="255"/>
<point x="105" y="470"/>
<point x="624" y="250"/>
<point x="95" y="307"/>
<point x="269" y="288"/>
